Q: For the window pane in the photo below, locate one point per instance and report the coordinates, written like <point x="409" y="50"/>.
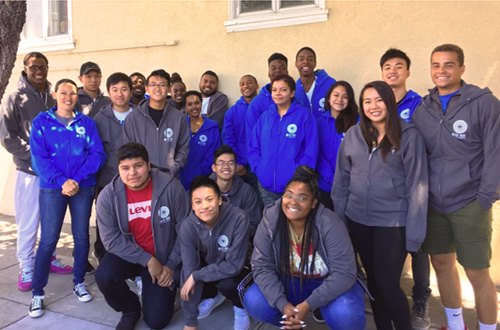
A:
<point x="33" y="28"/>
<point x="252" y="5"/>
<point x="58" y="17"/>
<point x="293" y="3"/>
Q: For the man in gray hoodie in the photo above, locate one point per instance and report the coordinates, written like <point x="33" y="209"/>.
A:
<point x="18" y="111"/>
<point x="139" y="214"/>
<point x="460" y="124"/>
<point x="214" y="102"/>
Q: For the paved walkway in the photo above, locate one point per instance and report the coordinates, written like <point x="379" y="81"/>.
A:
<point x="63" y="311"/>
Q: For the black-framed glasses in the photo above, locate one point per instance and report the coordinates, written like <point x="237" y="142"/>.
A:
<point x="35" y="68"/>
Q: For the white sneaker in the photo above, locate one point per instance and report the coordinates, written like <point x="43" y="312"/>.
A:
<point x="36" y="306"/>
<point x="241" y="319"/>
<point x="82" y="293"/>
<point x="208" y="305"/>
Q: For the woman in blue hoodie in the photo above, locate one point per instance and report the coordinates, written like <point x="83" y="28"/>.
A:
<point x="283" y="138"/>
<point x="66" y="153"/>
<point x="341" y="113"/>
<point x="205" y="138"/>
<point x="380" y="190"/>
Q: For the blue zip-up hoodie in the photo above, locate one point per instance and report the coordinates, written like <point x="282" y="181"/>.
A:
<point x="407" y="106"/>
<point x="317" y="104"/>
<point x="59" y="153"/>
<point x="233" y="130"/>
<point x="279" y="144"/>
<point x="259" y="104"/>
<point x="201" y="151"/>
<point x="329" y="142"/>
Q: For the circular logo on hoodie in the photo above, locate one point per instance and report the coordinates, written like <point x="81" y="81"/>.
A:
<point x="322" y="103"/>
<point x="80" y="130"/>
<point x="203" y="138"/>
<point x="292" y="128"/>
<point x="169" y="132"/>
<point x="164" y="212"/>
<point x="405" y="114"/>
<point x="460" y="126"/>
<point x="223" y="240"/>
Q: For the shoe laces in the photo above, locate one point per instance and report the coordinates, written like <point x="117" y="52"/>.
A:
<point x="420" y="311"/>
<point x="57" y="263"/>
<point x="81" y="289"/>
<point x="36" y="302"/>
<point x="26" y="276"/>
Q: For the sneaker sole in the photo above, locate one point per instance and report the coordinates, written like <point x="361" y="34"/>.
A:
<point x="213" y="307"/>
<point x="25" y="289"/>
<point x="84" y="299"/>
<point x="35" y="314"/>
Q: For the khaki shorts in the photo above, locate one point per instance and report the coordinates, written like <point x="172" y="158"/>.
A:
<point x="466" y="232"/>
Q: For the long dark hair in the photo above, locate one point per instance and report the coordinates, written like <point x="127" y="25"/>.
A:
<point x="392" y="136"/>
<point x="349" y="116"/>
<point x="309" y="177"/>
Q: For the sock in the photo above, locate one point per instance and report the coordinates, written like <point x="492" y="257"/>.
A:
<point x="455" y="318"/>
<point x="483" y="326"/>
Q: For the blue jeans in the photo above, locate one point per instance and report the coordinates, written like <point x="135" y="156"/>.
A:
<point x="346" y="312"/>
<point x="53" y="206"/>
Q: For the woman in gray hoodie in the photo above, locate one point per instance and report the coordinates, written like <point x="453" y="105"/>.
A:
<point x="303" y="261"/>
<point x="380" y="190"/>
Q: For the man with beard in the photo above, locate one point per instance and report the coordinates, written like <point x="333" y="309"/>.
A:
<point x="138" y="88"/>
<point x="214" y="102"/>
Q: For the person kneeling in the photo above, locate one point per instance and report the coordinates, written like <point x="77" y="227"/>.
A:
<point x="214" y="244"/>
<point x="302" y="261"/>
<point x="138" y="213"/>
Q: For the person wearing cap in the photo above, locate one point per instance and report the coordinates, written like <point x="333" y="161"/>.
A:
<point x="90" y="97"/>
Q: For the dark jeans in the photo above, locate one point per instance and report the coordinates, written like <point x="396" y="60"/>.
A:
<point x="268" y="197"/>
<point x="383" y="253"/>
<point x="421" y="270"/>
<point x="53" y="205"/>
<point x="326" y="199"/>
<point x="157" y="301"/>
<point x="99" y="249"/>
<point x="228" y="287"/>
<point x="346" y="312"/>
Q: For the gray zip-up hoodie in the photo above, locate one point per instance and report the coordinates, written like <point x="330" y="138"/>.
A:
<point x="168" y="144"/>
<point x="217" y="107"/>
<point x="89" y="106"/>
<point x="383" y="194"/>
<point x="169" y="207"/>
<point x="212" y="254"/>
<point x="463" y="147"/>
<point x="333" y="245"/>
<point x="18" y="112"/>
<point x="243" y="196"/>
<point x="111" y="133"/>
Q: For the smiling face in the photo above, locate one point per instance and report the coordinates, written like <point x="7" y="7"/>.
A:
<point x="339" y="100"/>
<point x="225" y="166"/>
<point x="206" y="205"/>
<point x="374" y="107"/>
<point x="281" y="93"/>
<point x="178" y="91"/>
<point x="446" y="72"/>
<point x="276" y="68"/>
<point x="305" y="63"/>
<point x="91" y="81"/>
<point x="138" y="86"/>
<point x="193" y="106"/>
<point x="297" y="201"/>
<point x="66" y="97"/>
<point x="248" y="87"/>
<point x="120" y="95"/>
<point x="38" y="78"/>
<point x="208" y="85"/>
<point x="157" y="89"/>
<point x="134" y="173"/>
<point x="395" y="72"/>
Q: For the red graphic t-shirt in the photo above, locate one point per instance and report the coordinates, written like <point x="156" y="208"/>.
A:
<point x="139" y="217"/>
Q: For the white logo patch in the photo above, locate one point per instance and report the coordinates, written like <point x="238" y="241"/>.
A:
<point x="322" y="105"/>
<point x="223" y="243"/>
<point x="80" y="130"/>
<point x="164" y="213"/>
<point x="405" y="114"/>
<point x="460" y="127"/>
<point x="292" y="129"/>
<point x="168" y="134"/>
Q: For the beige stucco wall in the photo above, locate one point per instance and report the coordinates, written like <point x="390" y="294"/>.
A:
<point x="116" y="34"/>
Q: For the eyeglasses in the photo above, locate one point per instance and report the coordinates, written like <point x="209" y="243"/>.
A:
<point x="153" y="86"/>
<point x="35" y="68"/>
<point x="222" y="163"/>
<point x="298" y="199"/>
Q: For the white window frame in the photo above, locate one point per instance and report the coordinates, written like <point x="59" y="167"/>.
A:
<point x="49" y="43"/>
<point x="275" y="17"/>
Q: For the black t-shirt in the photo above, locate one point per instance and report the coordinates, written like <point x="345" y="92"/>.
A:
<point x="155" y="115"/>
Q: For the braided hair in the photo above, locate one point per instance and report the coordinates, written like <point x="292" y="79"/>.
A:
<point x="308" y="176"/>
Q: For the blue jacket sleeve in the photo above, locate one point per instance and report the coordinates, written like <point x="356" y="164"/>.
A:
<point x="254" y="149"/>
<point x="95" y="153"/>
<point x="229" y="131"/>
<point x="208" y="160"/>
<point x="311" y="152"/>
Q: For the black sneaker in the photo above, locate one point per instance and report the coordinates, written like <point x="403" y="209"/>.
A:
<point x="128" y="321"/>
<point x="317" y="316"/>
<point x="36" y="306"/>
<point x="89" y="269"/>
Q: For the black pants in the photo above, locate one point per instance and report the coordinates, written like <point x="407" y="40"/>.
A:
<point x="383" y="252"/>
<point x="421" y="270"/>
<point x="228" y="287"/>
<point x="157" y="301"/>
<point x="326" y="199"/>
<point x="99" y="249"/>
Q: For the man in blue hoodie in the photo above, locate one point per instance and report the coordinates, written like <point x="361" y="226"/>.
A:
<point x="395" y="66"/>
<point x="460" y="124"/>
<point x="312" y="85"/>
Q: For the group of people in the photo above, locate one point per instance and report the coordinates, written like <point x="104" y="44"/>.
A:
<point x="267" y="203"/>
